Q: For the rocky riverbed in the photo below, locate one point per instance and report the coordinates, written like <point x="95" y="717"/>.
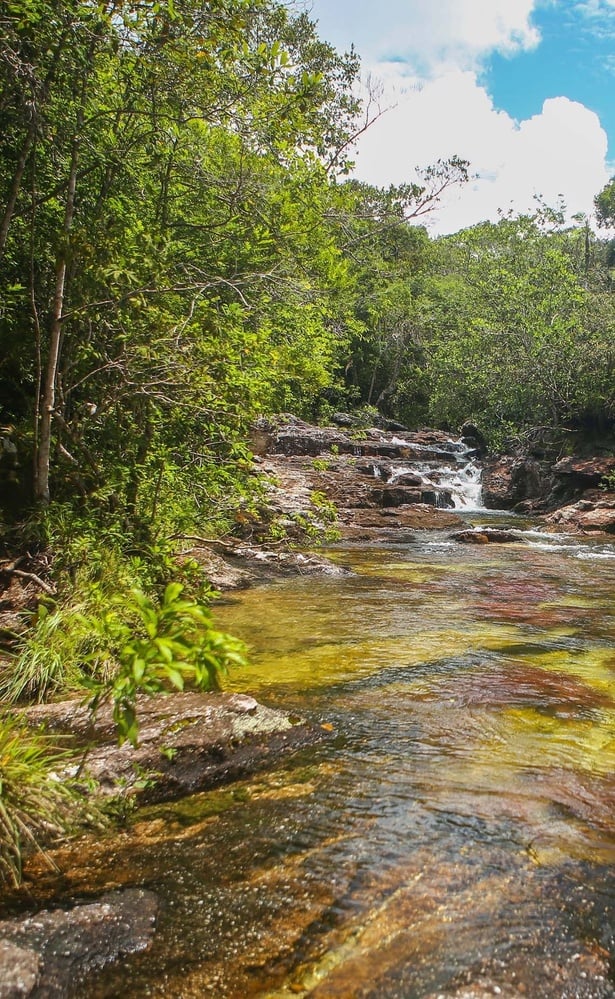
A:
<point x="374" y="485"/>
<point x="359" y="485"/>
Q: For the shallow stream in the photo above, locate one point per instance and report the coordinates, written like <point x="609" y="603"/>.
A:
<point x="455" y="833"/>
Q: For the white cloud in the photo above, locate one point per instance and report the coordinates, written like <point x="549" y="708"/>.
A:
<point x="428" y="33"/>
<point x="460" y="32"/>
<point x="430" y="64"/>
<point x="599" y="18"/>
<point x="560" y="151"/>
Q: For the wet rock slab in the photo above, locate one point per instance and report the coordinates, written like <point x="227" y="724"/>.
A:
<point x="187" y="742"/>
<point x="238" y="566"/>
<point x="295" y="437"/>
<point x="394" y="524"/>
<point x="47" y="955"/>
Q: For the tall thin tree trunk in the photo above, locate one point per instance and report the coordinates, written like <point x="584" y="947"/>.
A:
<point x="15" y="188"/>
<point x="48" y="401"/>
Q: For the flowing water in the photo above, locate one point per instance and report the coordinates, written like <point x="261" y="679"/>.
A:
<point x="455" y="833"/>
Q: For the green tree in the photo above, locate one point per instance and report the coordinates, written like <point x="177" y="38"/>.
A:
<point x="511" y="342"/>
<point x="604" y="203"/>
<point x="388" y="255"/>
<point x="167" y="252"/>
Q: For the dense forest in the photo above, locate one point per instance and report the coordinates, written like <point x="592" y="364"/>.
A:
<point x="183" y="250"/>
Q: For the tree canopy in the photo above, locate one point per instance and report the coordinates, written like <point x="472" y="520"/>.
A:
<point x="181" y="250"/>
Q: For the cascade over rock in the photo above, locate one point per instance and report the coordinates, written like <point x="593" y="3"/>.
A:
<point x="408" y="479"/>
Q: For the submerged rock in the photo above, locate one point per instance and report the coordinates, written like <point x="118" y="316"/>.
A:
<point x="49" y="954"/>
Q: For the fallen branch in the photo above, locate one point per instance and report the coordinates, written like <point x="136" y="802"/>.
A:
<point x="203" y="541"/>
<point x="31" y="577"/>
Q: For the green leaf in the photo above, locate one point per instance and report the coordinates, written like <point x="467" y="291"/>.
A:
<point x="175" y="677"/>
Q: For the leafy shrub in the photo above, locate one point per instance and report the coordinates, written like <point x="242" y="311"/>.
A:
<point x="149" y="647"/>
<point x="116" y="644"/>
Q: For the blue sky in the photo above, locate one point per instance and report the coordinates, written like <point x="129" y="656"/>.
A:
<point x="575" y="58"/>
<point x="524" y="89"/>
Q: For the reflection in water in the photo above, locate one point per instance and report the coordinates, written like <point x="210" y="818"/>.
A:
<point x="455" y="839"/>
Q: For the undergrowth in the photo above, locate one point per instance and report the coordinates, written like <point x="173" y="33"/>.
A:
<point x="37" y="800"/>
<point x="128" y="618"/>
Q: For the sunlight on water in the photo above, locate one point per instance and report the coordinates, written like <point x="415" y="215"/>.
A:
<point x="469" y="785"/>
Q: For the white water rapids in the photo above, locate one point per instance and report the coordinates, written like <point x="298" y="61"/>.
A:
<point x="460" y="477"/>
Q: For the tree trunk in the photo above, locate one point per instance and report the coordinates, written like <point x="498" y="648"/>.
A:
<point x="48" y="401"/>
<point x="15" y="188"/>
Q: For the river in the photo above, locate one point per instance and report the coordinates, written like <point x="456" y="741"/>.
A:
<point x="454" y="835"/>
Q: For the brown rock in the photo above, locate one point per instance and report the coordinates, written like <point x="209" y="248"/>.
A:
<point x="418" y="517"/>
<point x="408" y="479"/>
<point x="19" y="969"/>
<point x="594" y="512"/>
<point x="588" y="471"/>
<point x="508" y="481"/>
<point x="48" y="954"/>
<point x="187" y="742"/>
<point x="487" y="535"/>
<point x="395" y="495"/>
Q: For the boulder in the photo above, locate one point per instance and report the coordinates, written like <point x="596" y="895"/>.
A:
<point x="375" y="470"/>
<point x="585" y="471"/>
<point x="187" y="742"/>
<point x="262" y="436"/>
<point x="50" y="953"/>
<point x="407" y="479"/>
<point x="508" y="480"/>
<point x="395" y="495"/>
<point x="401" y="495"/>
<point x="487" y="535"/>
<point x="473" y="438"/>
<point x="595" y="511"/>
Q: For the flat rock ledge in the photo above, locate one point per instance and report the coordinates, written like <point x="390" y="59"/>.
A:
<point x="236" y="566"/>
<point x="187" y="742"/>
<point x="48" y="955"/>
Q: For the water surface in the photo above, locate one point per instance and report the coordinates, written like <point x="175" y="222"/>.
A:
<point x="456" y="834"/>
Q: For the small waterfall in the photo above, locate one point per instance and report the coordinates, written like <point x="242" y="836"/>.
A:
<point x="456" y="480"/>
<point x="463" y="483"/>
